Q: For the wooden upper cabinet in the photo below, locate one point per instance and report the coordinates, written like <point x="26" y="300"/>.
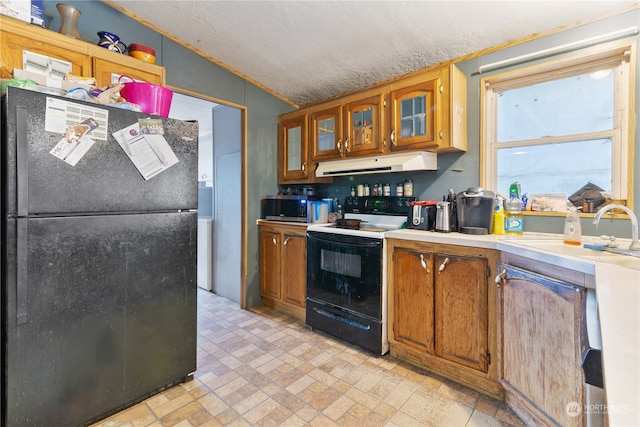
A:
<point x="353" y="128"/>
<point x="18" y="36"/>
<point x="454" y="110"/>
<point x="428" y="111"/>
<point x="87" y="60"/>
<point x="327" y="137"/>
<point x="293" y="148"/>
<point x="295" y="163"/>
<point x="425" y="111"/>
<point x="107" y="64"/>
<point x="413" y="116"/>
<point x="364" y="126"/>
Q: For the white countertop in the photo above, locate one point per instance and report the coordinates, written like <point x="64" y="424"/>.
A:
<point x="618" y="292"/>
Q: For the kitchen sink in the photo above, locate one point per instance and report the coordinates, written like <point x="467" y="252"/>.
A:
<point x="618" y="256"/>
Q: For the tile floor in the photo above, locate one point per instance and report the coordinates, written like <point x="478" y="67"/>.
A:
<point x="264" y="368"/>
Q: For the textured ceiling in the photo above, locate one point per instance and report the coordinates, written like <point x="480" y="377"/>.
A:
<point x="306" y="51"/>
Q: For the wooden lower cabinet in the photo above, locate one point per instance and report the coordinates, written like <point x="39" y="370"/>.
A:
<point x="283" y="267"/>
<point x="541" y="364"/>
<point x="442" y="311"/>
<point x="461" y="309"/>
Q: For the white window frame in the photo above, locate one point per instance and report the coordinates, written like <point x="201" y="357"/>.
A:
<point x="619" y="55"/>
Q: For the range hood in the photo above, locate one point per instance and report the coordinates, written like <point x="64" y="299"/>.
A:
<point x="413" y="161"/>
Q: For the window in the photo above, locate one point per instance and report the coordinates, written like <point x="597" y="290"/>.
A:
<point x="555" y="127"/>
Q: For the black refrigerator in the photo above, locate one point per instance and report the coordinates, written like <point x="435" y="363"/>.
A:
<point x="98" y="258"/>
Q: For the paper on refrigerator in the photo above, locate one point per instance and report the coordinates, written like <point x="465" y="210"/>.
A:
<point x="151" y="154"/>
<point x="76" y="142"/>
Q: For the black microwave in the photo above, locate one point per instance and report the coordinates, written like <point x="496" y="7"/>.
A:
<point x="285" y="208"/>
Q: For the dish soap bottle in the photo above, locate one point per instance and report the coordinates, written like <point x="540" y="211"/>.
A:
<point x="514" y="219"/>
<point x="572" y="228"/>
<point x="498" y="217"/>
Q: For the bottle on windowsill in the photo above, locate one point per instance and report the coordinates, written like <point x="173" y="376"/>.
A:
<point x="572" y="228"/>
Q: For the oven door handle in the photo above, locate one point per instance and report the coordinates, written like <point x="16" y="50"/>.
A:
<point x="342" y="319"/>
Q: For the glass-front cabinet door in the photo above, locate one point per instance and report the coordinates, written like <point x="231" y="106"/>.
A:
<point x="365" y="126"/>
<point x="293" y="147"/>
<point x="326" y="133"/>
<point x="413" y="112"/>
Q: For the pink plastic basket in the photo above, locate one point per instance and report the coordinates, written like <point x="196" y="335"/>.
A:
<point x="152" y="99"/>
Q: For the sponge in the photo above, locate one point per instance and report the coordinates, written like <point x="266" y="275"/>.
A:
<point x="595" y="246"/>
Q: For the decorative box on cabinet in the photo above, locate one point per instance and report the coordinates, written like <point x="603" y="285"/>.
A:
<point x="283" y="267"/>
<point x="442" y="311"/>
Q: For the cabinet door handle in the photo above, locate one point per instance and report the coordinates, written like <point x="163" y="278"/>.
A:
<point x="443" y="265"/>
<point x="441" y="134"/>
<point x="384" y="142"/>
<point x="285" y="241"/>
<point x="393" y="137"/>
<point x="424" y="264"/>
<point x="500" y="278"/>
<point x="304" y="166"/>
<point x="346" y="145"/>
<point x="339" y="145"/>
<point x="275" y="241"/>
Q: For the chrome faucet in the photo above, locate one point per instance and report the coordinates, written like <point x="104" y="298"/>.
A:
<point x="635" y="244"/>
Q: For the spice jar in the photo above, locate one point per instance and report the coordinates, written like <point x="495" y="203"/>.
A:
<point x="386" y="189"/>
<point x="367" y="190"/>
<point x="399" y="190"/>
<point x="408" y="188"/>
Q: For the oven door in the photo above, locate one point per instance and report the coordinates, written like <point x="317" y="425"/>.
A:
<point x="345" y="271"/>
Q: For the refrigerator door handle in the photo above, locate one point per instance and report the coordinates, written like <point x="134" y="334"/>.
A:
<point x="22" y="164"/>
<point x="21" y="282"/>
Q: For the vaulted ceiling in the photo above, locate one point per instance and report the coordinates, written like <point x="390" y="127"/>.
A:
<point x="306" y="51"/>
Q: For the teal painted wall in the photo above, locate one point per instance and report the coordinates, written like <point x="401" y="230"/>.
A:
<point x="187" y="70"/>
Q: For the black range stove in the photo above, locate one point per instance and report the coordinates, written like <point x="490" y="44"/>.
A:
<point x="346" y="272"/>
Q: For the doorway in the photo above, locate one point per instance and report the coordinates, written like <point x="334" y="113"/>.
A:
<point x="219" y="192"/>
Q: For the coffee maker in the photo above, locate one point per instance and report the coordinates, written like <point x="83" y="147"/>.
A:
<point x="475" y="210"/>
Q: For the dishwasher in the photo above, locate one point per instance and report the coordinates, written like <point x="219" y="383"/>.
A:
<point x="591" y="346"/>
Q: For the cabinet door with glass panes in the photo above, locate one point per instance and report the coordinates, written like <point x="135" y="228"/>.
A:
<point x="364" y="121"/>
<point x="413" y="116"/>
<point x="327" y="139"/>
<point x="293" y="148"/>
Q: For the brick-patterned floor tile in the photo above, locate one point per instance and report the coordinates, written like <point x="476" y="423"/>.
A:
<point x="263" y="368"/>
